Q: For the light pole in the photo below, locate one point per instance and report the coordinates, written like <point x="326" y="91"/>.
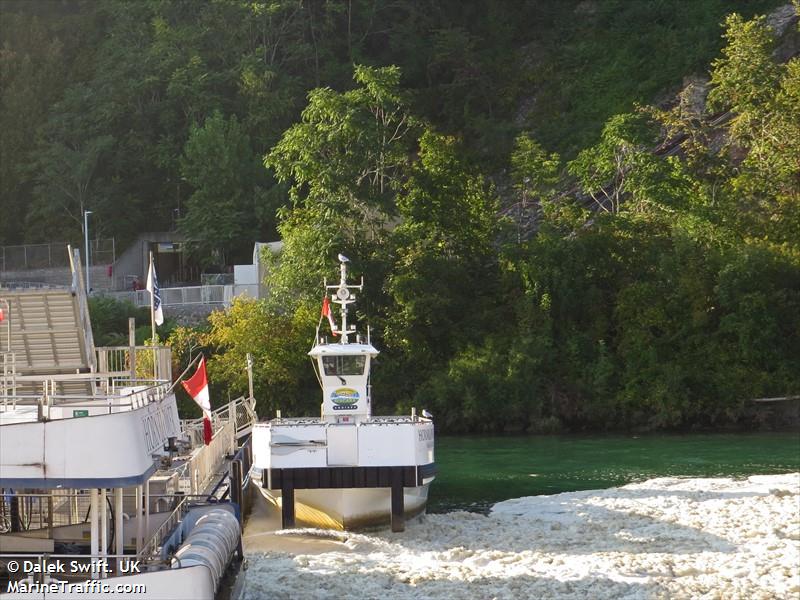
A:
<point x="86" y="214"/>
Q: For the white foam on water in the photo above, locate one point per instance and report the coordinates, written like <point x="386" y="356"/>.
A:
<point x="663" y="538"/>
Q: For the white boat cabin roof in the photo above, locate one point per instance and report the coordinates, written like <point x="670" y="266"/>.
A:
<point x="343" y="350"/>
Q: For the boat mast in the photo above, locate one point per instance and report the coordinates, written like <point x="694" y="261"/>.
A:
<point x="343" y="297"/>
<point x="343" y="286"/>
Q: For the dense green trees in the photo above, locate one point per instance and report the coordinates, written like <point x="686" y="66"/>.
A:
<point x="657" y="291"/>
<point x="99" y="99"/>
<point x="663" y="293"/>
<point x="219" y="164"/>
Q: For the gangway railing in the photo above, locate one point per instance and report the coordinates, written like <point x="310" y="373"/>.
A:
<point x="80" y="293"/>
<point x="205" y="463"/>
<point x="241" y="411"/>
<point x="153" y="546"/>
<point x="8" y="383"/>
<point x="135" y="362"/>
<point x="229" y="424"/>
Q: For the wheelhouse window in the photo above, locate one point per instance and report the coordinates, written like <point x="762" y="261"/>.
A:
<point x="344" y="365"/>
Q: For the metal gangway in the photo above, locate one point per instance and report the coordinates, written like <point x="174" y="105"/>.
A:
<point x="47" y="332"/>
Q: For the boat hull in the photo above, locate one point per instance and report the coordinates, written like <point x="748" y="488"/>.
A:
<point x="348" y="508"/>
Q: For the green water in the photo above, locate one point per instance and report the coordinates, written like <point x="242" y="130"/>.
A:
<point x="477" y="471"/>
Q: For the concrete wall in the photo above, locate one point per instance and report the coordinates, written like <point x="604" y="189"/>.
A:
<point x="245" y="274"/>
<point x="191" y="314"/>
<point x="134" y="261"/>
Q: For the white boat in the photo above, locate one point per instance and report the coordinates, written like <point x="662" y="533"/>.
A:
<point x="346" y="469"/>
<point x="102" y="486"/>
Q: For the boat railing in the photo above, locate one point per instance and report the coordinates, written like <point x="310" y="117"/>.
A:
<point x="117" y="367"/>
<point x="388" y="420"/>
<point x="393" y="420"/>
<point x="298" y="421"/>
<point x="61" y="508"/>
<point x="152" y="547"/>
<point x="28" y="512"/>
<point x="137" y="397"/>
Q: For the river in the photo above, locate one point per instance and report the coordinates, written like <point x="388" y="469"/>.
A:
<point x="672" y="532"/>
<point x="478" y="471"/>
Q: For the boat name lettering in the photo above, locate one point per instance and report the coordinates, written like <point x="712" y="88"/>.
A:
<point x="425" y="435"/>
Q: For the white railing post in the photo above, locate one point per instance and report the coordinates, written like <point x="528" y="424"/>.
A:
<point x="93" y="527"/>
<point x="147" y="507"/>
<point x="103" y="528"/>
<point x="139" y="520"/>
<point x="119" y="534"/>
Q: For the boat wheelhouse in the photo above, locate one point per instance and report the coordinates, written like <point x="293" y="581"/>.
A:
<point x="347" y="468"/>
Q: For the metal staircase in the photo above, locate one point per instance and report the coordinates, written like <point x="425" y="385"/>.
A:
<point x="45" y="332"/>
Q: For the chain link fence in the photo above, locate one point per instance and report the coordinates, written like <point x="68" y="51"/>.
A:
<point x="53" y="255"/>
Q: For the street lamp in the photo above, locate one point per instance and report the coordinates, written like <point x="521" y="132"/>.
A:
<point x="86" y="214"/>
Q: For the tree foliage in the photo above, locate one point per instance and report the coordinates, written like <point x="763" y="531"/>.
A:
<point x="669" y="305"/>
<point x="219" y="164"/>
<point x="99" y="99"/>
<point x="659" y="292"/>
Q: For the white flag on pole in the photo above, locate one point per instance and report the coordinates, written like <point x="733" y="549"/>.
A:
<point x="155" y="294"/>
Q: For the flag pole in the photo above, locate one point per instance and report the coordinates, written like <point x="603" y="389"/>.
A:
<point x="152" y="302"/>
<point x="151" y="277"/>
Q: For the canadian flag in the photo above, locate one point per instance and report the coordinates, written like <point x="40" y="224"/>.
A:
<point x="326" y="312"/>
<point x="197" y="387"/>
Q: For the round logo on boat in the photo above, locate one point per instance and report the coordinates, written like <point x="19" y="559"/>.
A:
<point x="344" y="398"/>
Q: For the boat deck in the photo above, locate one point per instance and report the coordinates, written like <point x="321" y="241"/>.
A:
<point x="305" y="421"/>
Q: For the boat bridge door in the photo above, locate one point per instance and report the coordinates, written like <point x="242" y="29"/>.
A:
<point x="342" y="445"/>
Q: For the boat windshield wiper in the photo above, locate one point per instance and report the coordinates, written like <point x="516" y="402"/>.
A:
<point x="342" y="379"/>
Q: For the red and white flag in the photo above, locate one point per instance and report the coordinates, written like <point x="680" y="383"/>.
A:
<point x="197" y="387"/>
<point x="326" y="312"/>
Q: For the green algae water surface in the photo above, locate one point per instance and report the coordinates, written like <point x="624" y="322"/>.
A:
<point x="477" y="471"/>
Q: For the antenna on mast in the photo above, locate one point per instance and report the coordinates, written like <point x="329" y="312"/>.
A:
<point x="344" y="296"/>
